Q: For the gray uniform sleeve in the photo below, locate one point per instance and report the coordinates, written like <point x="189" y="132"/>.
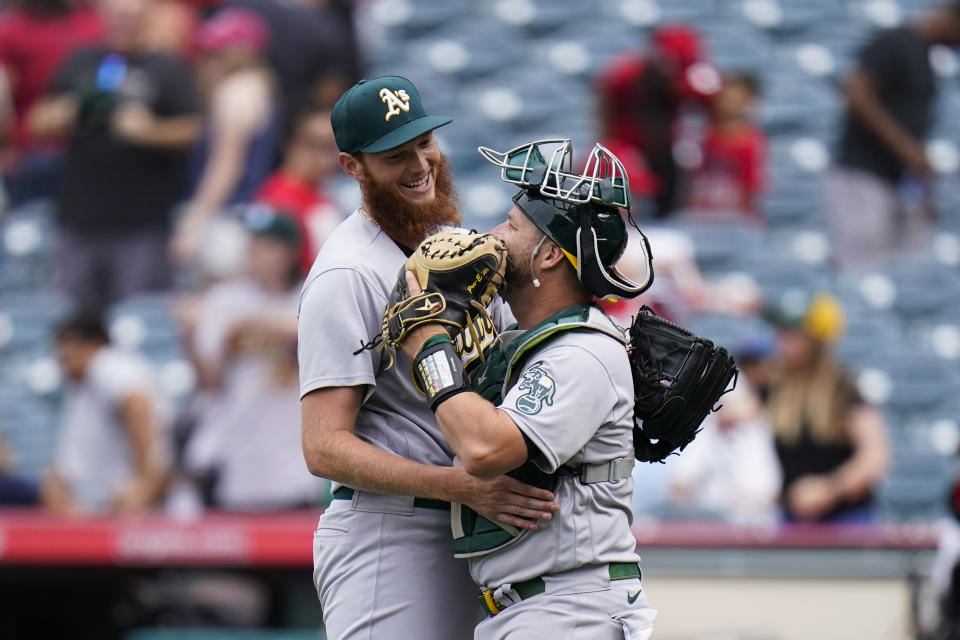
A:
<point x="339" y="310"/>
<point x="563" y="395"/>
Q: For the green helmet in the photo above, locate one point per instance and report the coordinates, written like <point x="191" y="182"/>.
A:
<point x="579" y="212"/>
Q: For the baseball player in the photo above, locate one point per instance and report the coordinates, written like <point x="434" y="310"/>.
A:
<point x="382" y="561"/>
<point x="554" y="400"/>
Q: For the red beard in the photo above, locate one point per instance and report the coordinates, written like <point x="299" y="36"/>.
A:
<point x="399" y="218"/>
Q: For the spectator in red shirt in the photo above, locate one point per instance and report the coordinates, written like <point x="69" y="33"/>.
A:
<point x="643" y="97"/>
<point x="36" y="36"/>
<point x="730" y="175"/>
<point x="310" y="158"/>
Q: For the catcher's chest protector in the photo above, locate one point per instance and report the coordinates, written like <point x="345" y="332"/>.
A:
<point x="474" y="535"/>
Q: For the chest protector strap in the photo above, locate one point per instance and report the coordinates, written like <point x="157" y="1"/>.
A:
<point x="474" y="535"/>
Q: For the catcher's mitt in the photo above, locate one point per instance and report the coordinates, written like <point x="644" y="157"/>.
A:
<point x="459" y="274"/>
<point x="677" y="379"/>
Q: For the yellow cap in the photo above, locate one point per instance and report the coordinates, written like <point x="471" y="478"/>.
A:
<point x="824" y="319"/>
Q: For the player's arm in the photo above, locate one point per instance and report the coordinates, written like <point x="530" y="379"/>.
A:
<point x="332" y="450"/>
<point x="487" y="440"/>
<point x="333" y="384"/>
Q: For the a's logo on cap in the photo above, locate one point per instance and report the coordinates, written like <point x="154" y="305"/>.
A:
<point x="395" y="102"/>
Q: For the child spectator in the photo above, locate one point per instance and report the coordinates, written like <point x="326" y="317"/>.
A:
<point x="112" y="454"/>
<point x="309" y="159"/>
<point x="731" y="470"/>
<point x="730" y="176"/>
<point x="245" y="448"/>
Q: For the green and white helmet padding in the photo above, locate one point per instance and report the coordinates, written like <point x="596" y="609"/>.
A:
<point x="579" y="212"/>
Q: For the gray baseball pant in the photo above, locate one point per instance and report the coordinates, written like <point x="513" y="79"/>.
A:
<point x="583" y="604"/>
<point x="384" y="570"/>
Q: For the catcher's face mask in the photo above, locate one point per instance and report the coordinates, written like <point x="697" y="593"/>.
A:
<point x="579" y="212"/>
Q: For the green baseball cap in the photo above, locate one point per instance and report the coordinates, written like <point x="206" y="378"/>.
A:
<point x="380" y="114"/>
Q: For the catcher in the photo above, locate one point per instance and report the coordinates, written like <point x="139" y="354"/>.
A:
<point x="554" y="403"/>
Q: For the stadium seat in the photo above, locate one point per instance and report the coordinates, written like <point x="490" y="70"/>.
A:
<point x="539" y="17"/>
<point x="733" y="332"/>
<point x="413" y="17"/>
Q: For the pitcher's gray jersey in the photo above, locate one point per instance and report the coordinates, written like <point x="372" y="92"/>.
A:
<point x="341" y="307"/>
<point x="383" y="567"/>
<point x="574" y="401"/>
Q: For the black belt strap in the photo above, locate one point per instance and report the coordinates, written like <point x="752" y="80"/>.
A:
<point x="346" y="493"/>
<point x="534" y="586"/>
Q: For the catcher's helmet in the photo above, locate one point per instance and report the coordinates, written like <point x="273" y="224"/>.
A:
<point x="579" y="212"/>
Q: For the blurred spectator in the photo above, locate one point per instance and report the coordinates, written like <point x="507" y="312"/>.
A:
<point x="682" y="290"/>
<point x="170" y="27"/>
<point x="832" y="445"/>
<point x="130" y="116"/>
<point x="35" y="38"/>
<point x="112" y="454"/>
<point x="14" y="491"/>
<point x="644" y="100"/>
<point x="729" y="178"/>
<point x="310" y="158"/>
<point x="731" y="470"/>
<point x="878" y="194"/>
<point x="241" y="125"/>
<point x="313" y="49"/>
<point x="754" y="361"/>
<point x="242" y="335"/>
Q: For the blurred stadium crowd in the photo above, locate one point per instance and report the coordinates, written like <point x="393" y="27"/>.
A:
<point x="170" y="173"/>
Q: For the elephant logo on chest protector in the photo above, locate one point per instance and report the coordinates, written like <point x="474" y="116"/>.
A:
<point x="540" y="389"/>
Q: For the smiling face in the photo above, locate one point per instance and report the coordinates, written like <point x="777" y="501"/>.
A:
<point x="408" y="189"/>
<point x="409" y="170"/>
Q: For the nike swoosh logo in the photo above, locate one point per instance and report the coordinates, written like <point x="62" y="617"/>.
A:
<point x="633" y="598"/>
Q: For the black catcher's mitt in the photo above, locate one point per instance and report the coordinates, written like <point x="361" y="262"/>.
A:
<point x="677" y="379"/>
<point x="459" y="274"/>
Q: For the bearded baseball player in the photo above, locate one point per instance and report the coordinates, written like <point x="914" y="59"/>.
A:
<point x="382" y="562"/>
<point x="554" y="404"/>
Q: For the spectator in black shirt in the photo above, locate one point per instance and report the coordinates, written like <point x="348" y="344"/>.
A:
<point x="130" y="116"/>
<point x="831" y="444"/>
<point x="877" y="200"/>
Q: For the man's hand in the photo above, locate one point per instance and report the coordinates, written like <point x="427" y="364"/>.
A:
<point x="133" y="122"/>
<point x="504" y="499"/>
<point x="53" y="116"/>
